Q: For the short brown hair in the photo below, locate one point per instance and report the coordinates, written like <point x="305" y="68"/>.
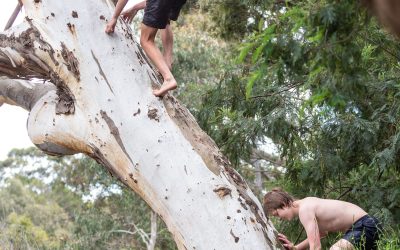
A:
<point x="275" y="199"/>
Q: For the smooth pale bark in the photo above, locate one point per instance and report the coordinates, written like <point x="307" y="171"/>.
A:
<point x="103" y="106"/>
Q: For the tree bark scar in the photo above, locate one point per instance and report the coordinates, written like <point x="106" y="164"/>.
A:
<point x="256" y="211"/>
<point x="71" y="28"/>
<point x="101" y="159"/>
<point x="152" y="113"/>
<point x="70" y="61"/>
<point x="242" y="190"/>
<point x="222" y="191"/>
<point x="137" y="112"/>
<point x="66" y="102"/>
<point x="235" y="237"/>
<point x="101" y="71"/>
<point x="74" y="14"/>
<point x="232" y="173"/>
<point x="115" y="132"/>
<point x="153" y="83"/>
<point x="45" y="46"/>
<point x="34" y="67"/>
<point x="142" y="56"/>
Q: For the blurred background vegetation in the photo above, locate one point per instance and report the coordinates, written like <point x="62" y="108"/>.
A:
<point x="304" y="95"/>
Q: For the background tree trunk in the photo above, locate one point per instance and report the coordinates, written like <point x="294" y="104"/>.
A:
<point x="102" y="105"/>
<point x="153" y="232"/>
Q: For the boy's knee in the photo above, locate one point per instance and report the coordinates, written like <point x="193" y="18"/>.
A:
<point x="342" y="245"/>
<point x="145" y="42"/>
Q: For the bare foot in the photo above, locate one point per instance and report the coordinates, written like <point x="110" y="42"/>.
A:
<point x="167" y="86"/>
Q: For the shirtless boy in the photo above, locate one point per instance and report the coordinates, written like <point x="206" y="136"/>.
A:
<point x="157" y="15"/>
<point x="320" y="216"/>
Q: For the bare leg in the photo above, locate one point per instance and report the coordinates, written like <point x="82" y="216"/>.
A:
<point x="342" y="245"/>
<point x="147" y="37"/>
<point x="167" y="39"/>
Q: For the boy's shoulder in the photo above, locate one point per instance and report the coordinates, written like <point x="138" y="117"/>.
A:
<point x="308" y="203"/>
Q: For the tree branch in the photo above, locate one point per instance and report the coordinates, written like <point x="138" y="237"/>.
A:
<point x="22" y="93"/>
<point x="13" y="16"/>
<point x="18" y="48"/>
<point x="262" y="155"/>
<point x="25" y="55"/>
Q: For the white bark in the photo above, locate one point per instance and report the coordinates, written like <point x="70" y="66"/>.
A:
<point x="104" y="107"/>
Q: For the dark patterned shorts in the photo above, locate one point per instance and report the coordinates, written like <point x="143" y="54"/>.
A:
<point x="158" y="13"/>
<point x="364" y="233"/>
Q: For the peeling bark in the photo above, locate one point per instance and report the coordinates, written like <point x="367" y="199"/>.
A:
<point x="21" y="57"/>
<point x="222" y="191"/>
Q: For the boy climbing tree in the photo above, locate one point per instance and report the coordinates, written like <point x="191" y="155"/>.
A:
<point x="320" y="216"/>
<point x="157" y="15"/>
<point x="167" y="36"/>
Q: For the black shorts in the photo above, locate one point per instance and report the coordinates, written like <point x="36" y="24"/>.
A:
<point x="158" y="13"/>
<point x="364" y="233"/>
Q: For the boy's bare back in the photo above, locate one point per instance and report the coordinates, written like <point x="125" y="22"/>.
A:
<point x="331" y="215"/>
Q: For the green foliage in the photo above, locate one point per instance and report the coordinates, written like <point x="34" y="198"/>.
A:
<point x="232" y="20"/>
<point x="81" y="206"/>
<point x="320" y="78"/>
<point x="21" y="224"/>
<point x="198" y="57"/>
<point x="389" y="240"/>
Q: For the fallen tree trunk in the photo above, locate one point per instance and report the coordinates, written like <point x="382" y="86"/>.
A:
<point x="97" y="99"/>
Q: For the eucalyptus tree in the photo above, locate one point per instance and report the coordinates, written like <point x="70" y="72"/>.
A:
<point x="96" y="98"/>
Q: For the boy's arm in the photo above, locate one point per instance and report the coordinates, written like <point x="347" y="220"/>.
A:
<point x="130" y="13"/>
<point x="139" y="6"/>
<point x="118" y="9"/>
<point x="302" y="245"/>
<point x="289" y="245"/>
<point x="308" y="219"/>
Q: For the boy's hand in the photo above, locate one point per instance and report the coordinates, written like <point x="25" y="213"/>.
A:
<point x="129" y="14"/>
<point x="285" y="242"/>
<point x="111" y="25"/>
